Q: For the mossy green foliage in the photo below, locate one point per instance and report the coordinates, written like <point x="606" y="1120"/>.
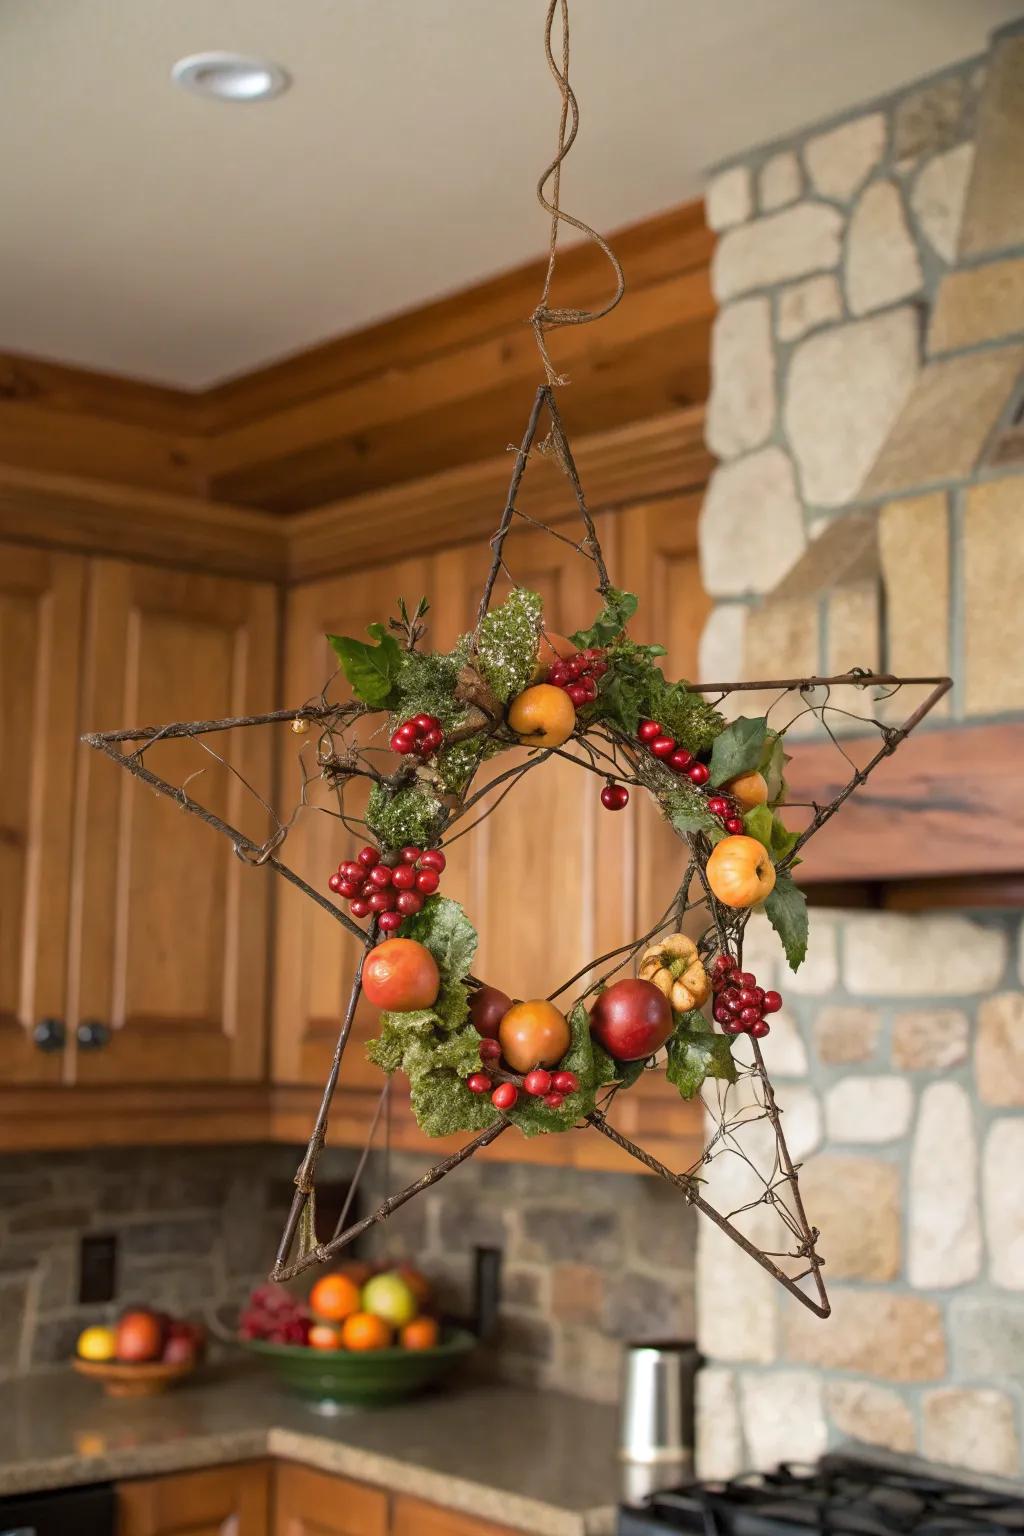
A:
<point x="507" y="647"/>
<point x="410" y="815"/>
<point x="426" y="683"/>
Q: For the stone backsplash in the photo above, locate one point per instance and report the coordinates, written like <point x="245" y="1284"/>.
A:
<point x="587" y="1260"/>
<point x="868" y="511"/>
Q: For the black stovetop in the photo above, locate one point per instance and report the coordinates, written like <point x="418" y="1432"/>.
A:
<point x="840" y="1496"/>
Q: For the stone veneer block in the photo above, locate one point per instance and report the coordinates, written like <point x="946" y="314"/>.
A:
<point x="741" y="408"/>
<point x="719" y="1449"/>
<point x="803" y="238"/>
<point x="978" y="304"/>
<point x="993" y="578"/>
<point x="869" y="1110"/>
<point x="970" y="390"/>
<point x="720" y="651"/>
<point x="881" y="257"/>
<point x="994" y="213"/>
<point x="987" y="1337"/>
<point x="779" y="181"/>
<point x="873" y="1415"/>
<point x="806" y="306"/>
<point x="890" y="954"/>
<point x="787" y="1051"/>
<point x="819" y="973"/>
<point x="875" y="1333"/>
<point x="1003" y="1189"/>
<point x="783" y="1417"/>
<point x="729" y="199"/>
<point x="930" y="1040"/>
<point x="999" y="1050"/>
<point x="854" y="631"/>
<point x="913" y="544"/>
<point x="928" y="119"/>
<point x="857" y="1204"/>
<point x="846" y="387"/>
<point x="840" y="161"/>
<point x="971" y="1428"/>
<point x="751" y="524"/>
<point x="736" y="1302"/>
<point x="844" y="552"/>
<point x="937" y="198"/>
<point x="844" y="1036"/>
<point x="945" y="1229"/>
<point x="786" y="630"/>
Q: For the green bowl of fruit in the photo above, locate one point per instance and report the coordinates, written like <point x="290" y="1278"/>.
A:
<point x="361" y="1339"/>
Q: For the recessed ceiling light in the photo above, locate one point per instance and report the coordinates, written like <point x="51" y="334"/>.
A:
<point x="230" y="76"/>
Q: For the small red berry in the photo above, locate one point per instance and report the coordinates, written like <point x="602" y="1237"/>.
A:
<point x="359" y="907"/>
<point x="759" y="1030"/>
<point x="759" y="995"/>
<point x="431" y="741"/>
<point x="335" y="883"/>
<point x="589" y="688"/>
<point x="680" y="760"/>
<point x="490" y="1050"/>
<point x="428" y="881"/>
<point x="615" y="797"/>
<point x="732" y="1026"/>
<point x="554" y="1100"/>
<point x="401" y="744"/>
<point x="380" y="876"/>
<point x="747" y="979"/>
<point x="578" y="695"/>
<point x="410" y="853"/>
<point x="478" y="1082"/>
<point x="433" y="858"/>
<point x="599" y="669"/>
<point x="748" y="997"/>
<point x="698" y="773"/>
<point x="388" y="921"/>
<point x="422" y="724"/>
<point x="565" y="1082"/>
<point x="403" y="877"/>
<point x="650" y="730"/>
<point x="350" y="870"/>
<point x="350" y="888"/>
<point x="772" y="1002"/>
<point x="721" y="1012"/>
<point x="559" y="674"/>
<point x="731" y="999"/>
<point x="733" y="825"/>
<point x="722" y="963"/>
<point x="663" y="746"/>
<point x="718" y="806"/>
<point x="748" y="1016"/>
<point x="537" y="1083"/>
<point x="368" y="857"/>
<point x="381" y="901"/>
<point x="504" y="1096"/>
<point x="409" y="903"/>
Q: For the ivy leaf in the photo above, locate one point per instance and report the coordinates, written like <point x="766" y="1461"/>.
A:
<point x="621" y="699"/>
<point x="773" y="768"/>
<point x="759" y="822"/>
<point x="695" y="1052"/>
<point x="619" y="608"/>
<point x="786" y="909"/>
<point x="443" y="928"/>
<point x="372" y="670"/>
<point x="738" y="748"/>
<point x="783" y="840"/>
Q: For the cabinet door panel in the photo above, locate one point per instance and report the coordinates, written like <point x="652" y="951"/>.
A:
<point x="308" y="1503"/>
<point x="414" y="1517"/>
<point x="315" y="956"/>
<point x="40" y="624"/>
<point x="170" y="927"/>
<point x="224" y="1501"/>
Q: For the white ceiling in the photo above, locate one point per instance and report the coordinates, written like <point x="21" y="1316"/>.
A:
<point x="158" y="235"/>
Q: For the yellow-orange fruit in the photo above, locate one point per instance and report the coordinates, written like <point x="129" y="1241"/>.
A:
<point x="740" y="871"/>
<point x="542" y="716"/>
<point x="533" y="1034"/>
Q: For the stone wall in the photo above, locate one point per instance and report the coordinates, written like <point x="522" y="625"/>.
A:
<point x="866" y="377"/>
<point x="587" y="1259"/>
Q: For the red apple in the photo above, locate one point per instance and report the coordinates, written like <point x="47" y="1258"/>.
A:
<point x="631" y="1019"/>
<point x="140" y="1336"/>
<point x="180" y="1349"/>
<point x="487" y="1007"/>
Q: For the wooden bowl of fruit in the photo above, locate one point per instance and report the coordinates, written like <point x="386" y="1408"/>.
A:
<point x="362" y="1338"/>
<point x="143" y="1354"/>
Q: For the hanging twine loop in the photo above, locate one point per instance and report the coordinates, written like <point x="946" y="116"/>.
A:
<point x="546" y="318"/>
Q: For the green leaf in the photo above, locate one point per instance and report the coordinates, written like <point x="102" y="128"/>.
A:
<point x="783" y="840"/>
<point x="738" y="748"/>
<point x="372" y="670"/>
<point x="621" y="699"/>
<point x="786" y="909"/>
<point x="619" y="608"/>
<point x="773" y="768"/>
<point x="443" y="928"/>
<point x="443" y="1104"/>
<point x="759" y="823"/>
<point x="695" y="1052"/>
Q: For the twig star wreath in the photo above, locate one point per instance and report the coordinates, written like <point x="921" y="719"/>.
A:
<point x="424" y="731"/>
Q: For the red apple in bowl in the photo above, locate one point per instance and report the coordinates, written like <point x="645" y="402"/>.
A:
<point x="140" y="1336"/>
<point x="631" y="1019"/>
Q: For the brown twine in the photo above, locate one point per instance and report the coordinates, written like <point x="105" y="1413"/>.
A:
<point x="545" y="318"/>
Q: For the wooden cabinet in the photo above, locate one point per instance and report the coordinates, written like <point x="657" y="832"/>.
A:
<point x="40" y="618"/>
<point x="170" y="930"/>
<point x="222" y="1501"/>
<point x="414" y="1517"/>
<point x="308" y="1503"/>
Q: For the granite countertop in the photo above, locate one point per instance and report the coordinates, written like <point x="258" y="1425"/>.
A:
<point x="536" y="1461"/>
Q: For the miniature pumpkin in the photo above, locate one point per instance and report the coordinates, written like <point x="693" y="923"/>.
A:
<point x="675" y="968"/>
<point x="740" y="871"/>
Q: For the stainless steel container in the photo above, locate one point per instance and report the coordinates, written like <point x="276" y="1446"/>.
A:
<point x="657" y="1402"/>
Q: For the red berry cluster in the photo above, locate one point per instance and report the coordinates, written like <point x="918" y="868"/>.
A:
<point x="422" y="735"/>
<point x="577" y="675"/>
<point x="550" y="1087"/>
<point x="740" y="1004"/>
<point x="392" y="891"/>
<point x="728" y="813"/>
<point x="663" y="746"/>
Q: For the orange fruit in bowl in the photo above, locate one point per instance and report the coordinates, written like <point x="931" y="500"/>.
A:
<point x="421" y="1333"/>
<point x="542" y="716"/>
<point x="364" y="1331"/>
<point x="334" y="1297"/>
<point x="324" y="1336"/>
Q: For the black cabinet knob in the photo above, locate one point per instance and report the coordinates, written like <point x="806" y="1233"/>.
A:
<point x="92" y="1035"/>
<point x="50" y="1035"/>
